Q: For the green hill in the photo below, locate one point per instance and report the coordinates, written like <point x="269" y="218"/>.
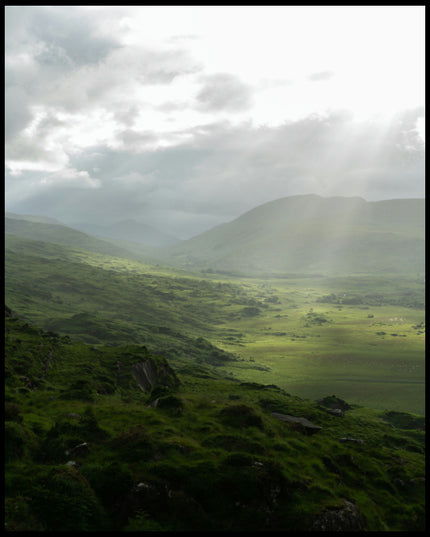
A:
<point x="129" y="230"/>
<point x="310" y="234"/>
<point x="89" y="446"/>
<point x="48" y="230"/>
<point x="34" y="218"/>
<point x="370" y="347"/>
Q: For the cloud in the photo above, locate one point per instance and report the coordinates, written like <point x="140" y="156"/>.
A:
<point x="110" y="116"/>
<point x="69" y="177"/>
<point x="321" y="75"/>
<point x="223" y="91"/>
<point x="224" y="170"/>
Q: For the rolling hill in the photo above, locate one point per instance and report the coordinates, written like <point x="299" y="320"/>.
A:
<point x="53" y="231"/>
<point x="129" y="230"/>
<point x="311" y="234"/>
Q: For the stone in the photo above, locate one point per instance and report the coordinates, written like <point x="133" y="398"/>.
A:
<point x="332" y="401"/>
<point x="80" y="449"/>
<point x="335" y="412"/>
<point x="353" y="440"/>
<point x="345" y="518"/>
<point x="149" y="374"/>
<point x="303" y="422"/>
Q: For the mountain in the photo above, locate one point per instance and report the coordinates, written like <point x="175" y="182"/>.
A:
<point x="129" y="230"/>
<point x="311" y="234"/>
<point x="60" y="234"/>
<point x="33" y="218"/>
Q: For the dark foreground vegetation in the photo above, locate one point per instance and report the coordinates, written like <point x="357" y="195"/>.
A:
<point x="114" y="439"/>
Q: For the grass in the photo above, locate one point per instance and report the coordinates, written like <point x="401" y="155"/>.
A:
<point x="222" y="462"/>
<point x="361" y="337"/>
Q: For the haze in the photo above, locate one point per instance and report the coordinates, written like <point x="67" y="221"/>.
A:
<point x="185" y="117"/>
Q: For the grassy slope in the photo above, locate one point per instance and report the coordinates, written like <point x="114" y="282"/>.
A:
<point x="369" y="348"/>
<point x="209" y="456"/>
<point x="60" y="234"/>
<point x="310" y="234"/>
<point x="316" y="339"/>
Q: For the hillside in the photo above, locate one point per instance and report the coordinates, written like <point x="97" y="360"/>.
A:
<point x="34" y="218"/>
<point x="112" y="439"/>
<point x="129" y="230"/>
<point x="49" y="230"/>
<point x="361" y="336"/>
<point x="310" y="234"/>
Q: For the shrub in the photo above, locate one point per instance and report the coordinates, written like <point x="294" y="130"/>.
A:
<point x="63" y="500"/>
<point x="173" y="404"/>
<point x="110" y="482"/>
<point x="142" y="522"/>
<point x="15" y="439"/>
<point x="12" y="412"/>
<point x="134" y="444"/>
<point x="236" y="442"/>
<point x="240" y="416"/>
<point x="18" y="515"/>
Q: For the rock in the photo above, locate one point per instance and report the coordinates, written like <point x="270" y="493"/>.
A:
<point x="80" y="449"/>
<point x="335" y="412"/>
<point x="332" y="401"/>
<point x="417" y="480"/>
<point x="303" y="422"/>
<point x="154" y="403"/>
<point x="354" y="440"/>
<point x="346" y="518"/>
<point x="73" y="415"/>
<point x="150" y="373"/>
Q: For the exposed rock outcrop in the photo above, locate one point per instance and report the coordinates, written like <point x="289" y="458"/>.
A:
<point x="333" y="402"/>
<point x="151" y="373"/>
<point x="307" y="425"/>
<point x="346" y="518"/>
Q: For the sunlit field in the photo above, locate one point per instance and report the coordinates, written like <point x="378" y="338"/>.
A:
<point x="358" y="337"/>
<point x="370" y="355"/>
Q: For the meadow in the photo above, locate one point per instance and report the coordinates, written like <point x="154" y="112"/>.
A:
<point x="370" y="352"/>
<point x="359" y="337"/>
<point x="87" y="450"/>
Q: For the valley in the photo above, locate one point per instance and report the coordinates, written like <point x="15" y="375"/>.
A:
<point x="148" y="394"/>
<point x="355" y="336"/>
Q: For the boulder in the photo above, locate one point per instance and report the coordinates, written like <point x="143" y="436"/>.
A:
<point x="335" y="412"/>
<point x="353" y="440"/>
<point x="332" y="401"/>
<point x="345" y="518"/>
<point x="301" y="422"/>
<point x="151" y="373"/>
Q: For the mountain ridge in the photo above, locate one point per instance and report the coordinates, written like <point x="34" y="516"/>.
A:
<point x="311" y="233"/>
<point x="130" y="230"/>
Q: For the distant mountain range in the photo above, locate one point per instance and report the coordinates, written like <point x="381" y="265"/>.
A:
<point x="312" y="234"/>
<point x="129" y="230"/>
<point x="306" y="234"/>
<point x="41" y="228"/>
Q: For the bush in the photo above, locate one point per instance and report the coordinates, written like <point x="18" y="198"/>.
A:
<point x="15" y="439"/>
<point x="12" y="412"/>
<point x="142" y="522"/>
<point x="63" y="500"/>
<point x="134" y="444"/>
<point x="173" y="404"/>
<point x="18" y="515"/>
<point x="240" y="416"/>
<point x="110" y="482"/>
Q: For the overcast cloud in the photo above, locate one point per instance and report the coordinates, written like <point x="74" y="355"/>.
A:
<point x="185" y="117"/>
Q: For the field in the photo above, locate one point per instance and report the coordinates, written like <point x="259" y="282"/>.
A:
<point x="358" y="337"/>
<point x="371" y="353"/>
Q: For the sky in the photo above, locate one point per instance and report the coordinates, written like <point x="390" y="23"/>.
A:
<point x="185" y="117"/>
